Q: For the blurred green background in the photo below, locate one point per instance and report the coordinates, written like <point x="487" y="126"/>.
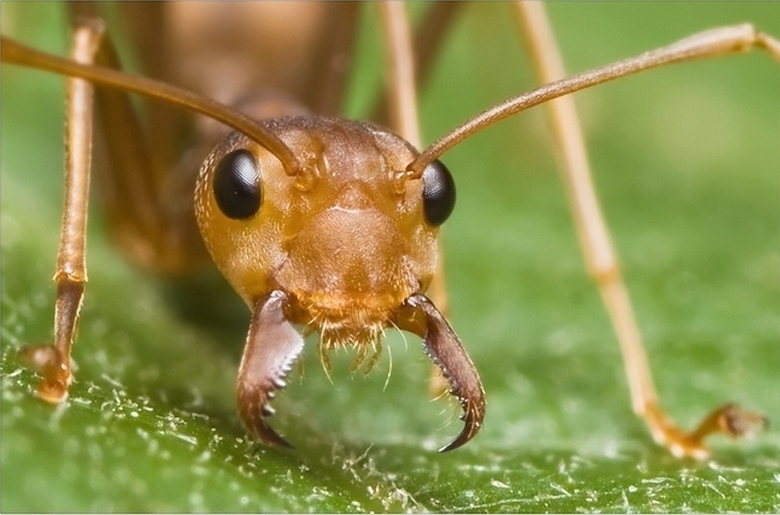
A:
<point x="687" y="163"/>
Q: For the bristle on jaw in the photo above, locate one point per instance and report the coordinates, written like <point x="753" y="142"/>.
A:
<point x="361" y="330"/>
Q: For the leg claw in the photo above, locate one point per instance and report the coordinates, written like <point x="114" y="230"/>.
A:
<point x="728" y="419"/>
<point x="48" y="362"/>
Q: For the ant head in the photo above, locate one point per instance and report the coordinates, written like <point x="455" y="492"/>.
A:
<point x="342" y="232"/>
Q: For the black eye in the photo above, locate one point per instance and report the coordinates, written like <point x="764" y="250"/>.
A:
<point x="438" y="193"/>
<point x="237" y="185"/>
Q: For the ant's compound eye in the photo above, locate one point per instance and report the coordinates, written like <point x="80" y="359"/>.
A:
<point x="237" y="185"/>
<point x="438" y="193"/>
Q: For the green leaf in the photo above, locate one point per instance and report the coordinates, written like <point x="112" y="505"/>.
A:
<point x="686" y="161"/>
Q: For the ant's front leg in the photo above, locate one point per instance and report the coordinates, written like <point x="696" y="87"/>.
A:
<point x="53" y="361"/>
<point x="600" y="255"/>
<point x="138" y="203"/>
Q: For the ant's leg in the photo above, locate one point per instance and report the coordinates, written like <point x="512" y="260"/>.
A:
<point x="602" y="262"/>
<point x="145" y="194"/>
<point x="403" y="113"/>
<point x="53" y="361"/>
<point x="400" y="66"/>
<point x="139" y="215"/>
<point x="422" y="52"/>
<point x="429" y="38"/>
